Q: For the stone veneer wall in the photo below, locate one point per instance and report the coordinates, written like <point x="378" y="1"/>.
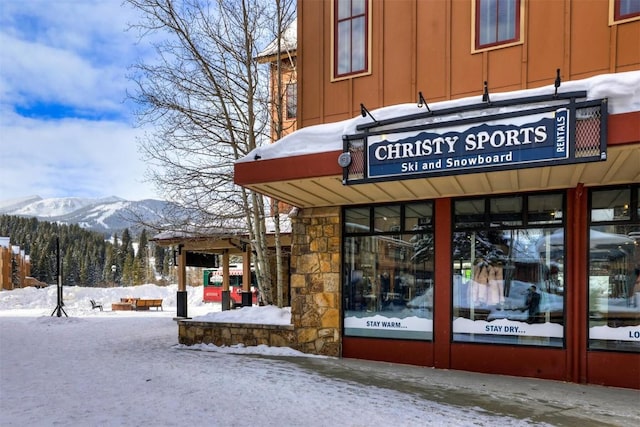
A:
<point x="228" y="334"/>
<point x="315" y="295"/>
<point x="315" y="280"/>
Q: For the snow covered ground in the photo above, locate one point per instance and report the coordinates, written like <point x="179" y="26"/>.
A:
<point x="122" y="368"/>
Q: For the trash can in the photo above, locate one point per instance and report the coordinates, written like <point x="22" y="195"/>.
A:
<point x="181" y="304"/>
<point x="246" y="299"/>
<point x="226" y="300"/>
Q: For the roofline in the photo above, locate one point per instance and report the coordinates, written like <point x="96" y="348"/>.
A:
<point x="622" y="129"/>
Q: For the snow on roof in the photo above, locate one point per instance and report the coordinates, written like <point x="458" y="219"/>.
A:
<point x="289" y="41"/>
<point x="231" y="231"/>
<point x="621" y="89"/>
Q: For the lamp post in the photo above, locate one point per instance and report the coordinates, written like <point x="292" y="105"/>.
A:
<point x="113" y="270"/>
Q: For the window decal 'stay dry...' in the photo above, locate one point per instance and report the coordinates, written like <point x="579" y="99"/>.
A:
<point x="510" y="142"/>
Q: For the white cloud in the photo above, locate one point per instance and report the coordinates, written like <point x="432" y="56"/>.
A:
<point x="71" y="157"/>
<point x="64" y="66"/>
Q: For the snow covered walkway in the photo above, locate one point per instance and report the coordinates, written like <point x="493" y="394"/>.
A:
<point x="125" y="368"/>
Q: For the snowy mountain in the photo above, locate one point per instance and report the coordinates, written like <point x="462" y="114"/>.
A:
<point x="10" y="205"/>
<point x="47" y="208"/>
<point x="106" y="215"/>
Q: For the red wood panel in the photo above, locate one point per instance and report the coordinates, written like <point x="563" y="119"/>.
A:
<point x="614" y="369"/>
<point x="623" y="128"/>
<point x="386" y="350"/>
<point x="545" y="363"/>
<point x="287" y="168"/>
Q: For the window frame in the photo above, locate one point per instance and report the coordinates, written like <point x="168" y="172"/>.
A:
<point x="291" y="101"/>
<point x="486" y="223"/>
<point x="366" y="70"/>
<point x="367" y="235"/>
<point x="475" y="25"/>
<point x="616" y="18"/>
<point x="611" y="342"/>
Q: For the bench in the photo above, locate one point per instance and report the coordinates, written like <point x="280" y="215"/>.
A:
<point x="95" y="305"/>
<point x="146" y="304"/>
<point x="121" y="306"/>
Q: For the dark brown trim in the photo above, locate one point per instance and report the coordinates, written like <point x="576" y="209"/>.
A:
<point x="576" y="295"/>
<point x="442" y="288"/>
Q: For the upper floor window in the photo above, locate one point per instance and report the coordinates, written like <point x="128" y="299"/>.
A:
<point x="497" y="23"/>
<point x="292" y="101"/>
<point x="624" y="10"/>
<point x="350" y="37"/>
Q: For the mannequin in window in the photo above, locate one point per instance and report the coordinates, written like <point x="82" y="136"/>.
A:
<point x="385" y="283"/>
<point x="532" y="304"/>
<point x="478" y="285"/>
<point x="495" y="291"/>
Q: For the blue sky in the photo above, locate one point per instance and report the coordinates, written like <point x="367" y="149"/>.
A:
<point x="66" y="127"/>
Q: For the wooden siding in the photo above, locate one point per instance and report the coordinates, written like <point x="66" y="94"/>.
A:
<point x="426" y="46"/>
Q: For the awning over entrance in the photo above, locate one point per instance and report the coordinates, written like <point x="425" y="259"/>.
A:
<point x="317" y="191"/>
<point x="302" y="169"/>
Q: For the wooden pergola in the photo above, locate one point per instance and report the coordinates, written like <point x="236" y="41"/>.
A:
<point x="207" y="250"/>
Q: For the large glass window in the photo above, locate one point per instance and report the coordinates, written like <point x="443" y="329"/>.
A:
<point x="351" y="44"/>
<point x="508" y="270"/>
<point x="614" y="269"/>
<point x="388" y="271"/>
<point x="497" y="22"/>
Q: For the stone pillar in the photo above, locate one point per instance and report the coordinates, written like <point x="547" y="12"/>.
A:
<point x="315" y="280"/>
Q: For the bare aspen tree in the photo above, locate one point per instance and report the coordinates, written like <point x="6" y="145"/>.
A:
<point x="205" y="99"/>
<point x="285" y="12"/>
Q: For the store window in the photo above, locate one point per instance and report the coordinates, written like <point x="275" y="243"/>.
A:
<point x="292" y="101"/>
<point x="496" y="23"/>
<point x="614" y="269"/>
<point x="508" y="270"/>
<point x="350" y="37"/>
<point x="624" y="10"/>
<point x="388" y="271"/>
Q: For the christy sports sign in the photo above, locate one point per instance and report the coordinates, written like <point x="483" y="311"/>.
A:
<point x="505" y="143"/>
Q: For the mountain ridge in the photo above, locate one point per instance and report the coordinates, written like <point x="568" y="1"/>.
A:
<point x="107" y="215"/>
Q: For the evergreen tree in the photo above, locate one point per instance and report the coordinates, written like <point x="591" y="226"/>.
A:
<point x="140" y="262"/>
<point x="108" y="274"/>
<point x="86" y="258"/>
<point x="82" y="251"/>
<point x="128" y="270"/>
<point x="143" y="246"/>
<point x="159" y="258"/>
<point x="117" y="260"/>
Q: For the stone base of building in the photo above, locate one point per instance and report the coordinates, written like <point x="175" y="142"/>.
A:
<point x="228" y="334"/>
